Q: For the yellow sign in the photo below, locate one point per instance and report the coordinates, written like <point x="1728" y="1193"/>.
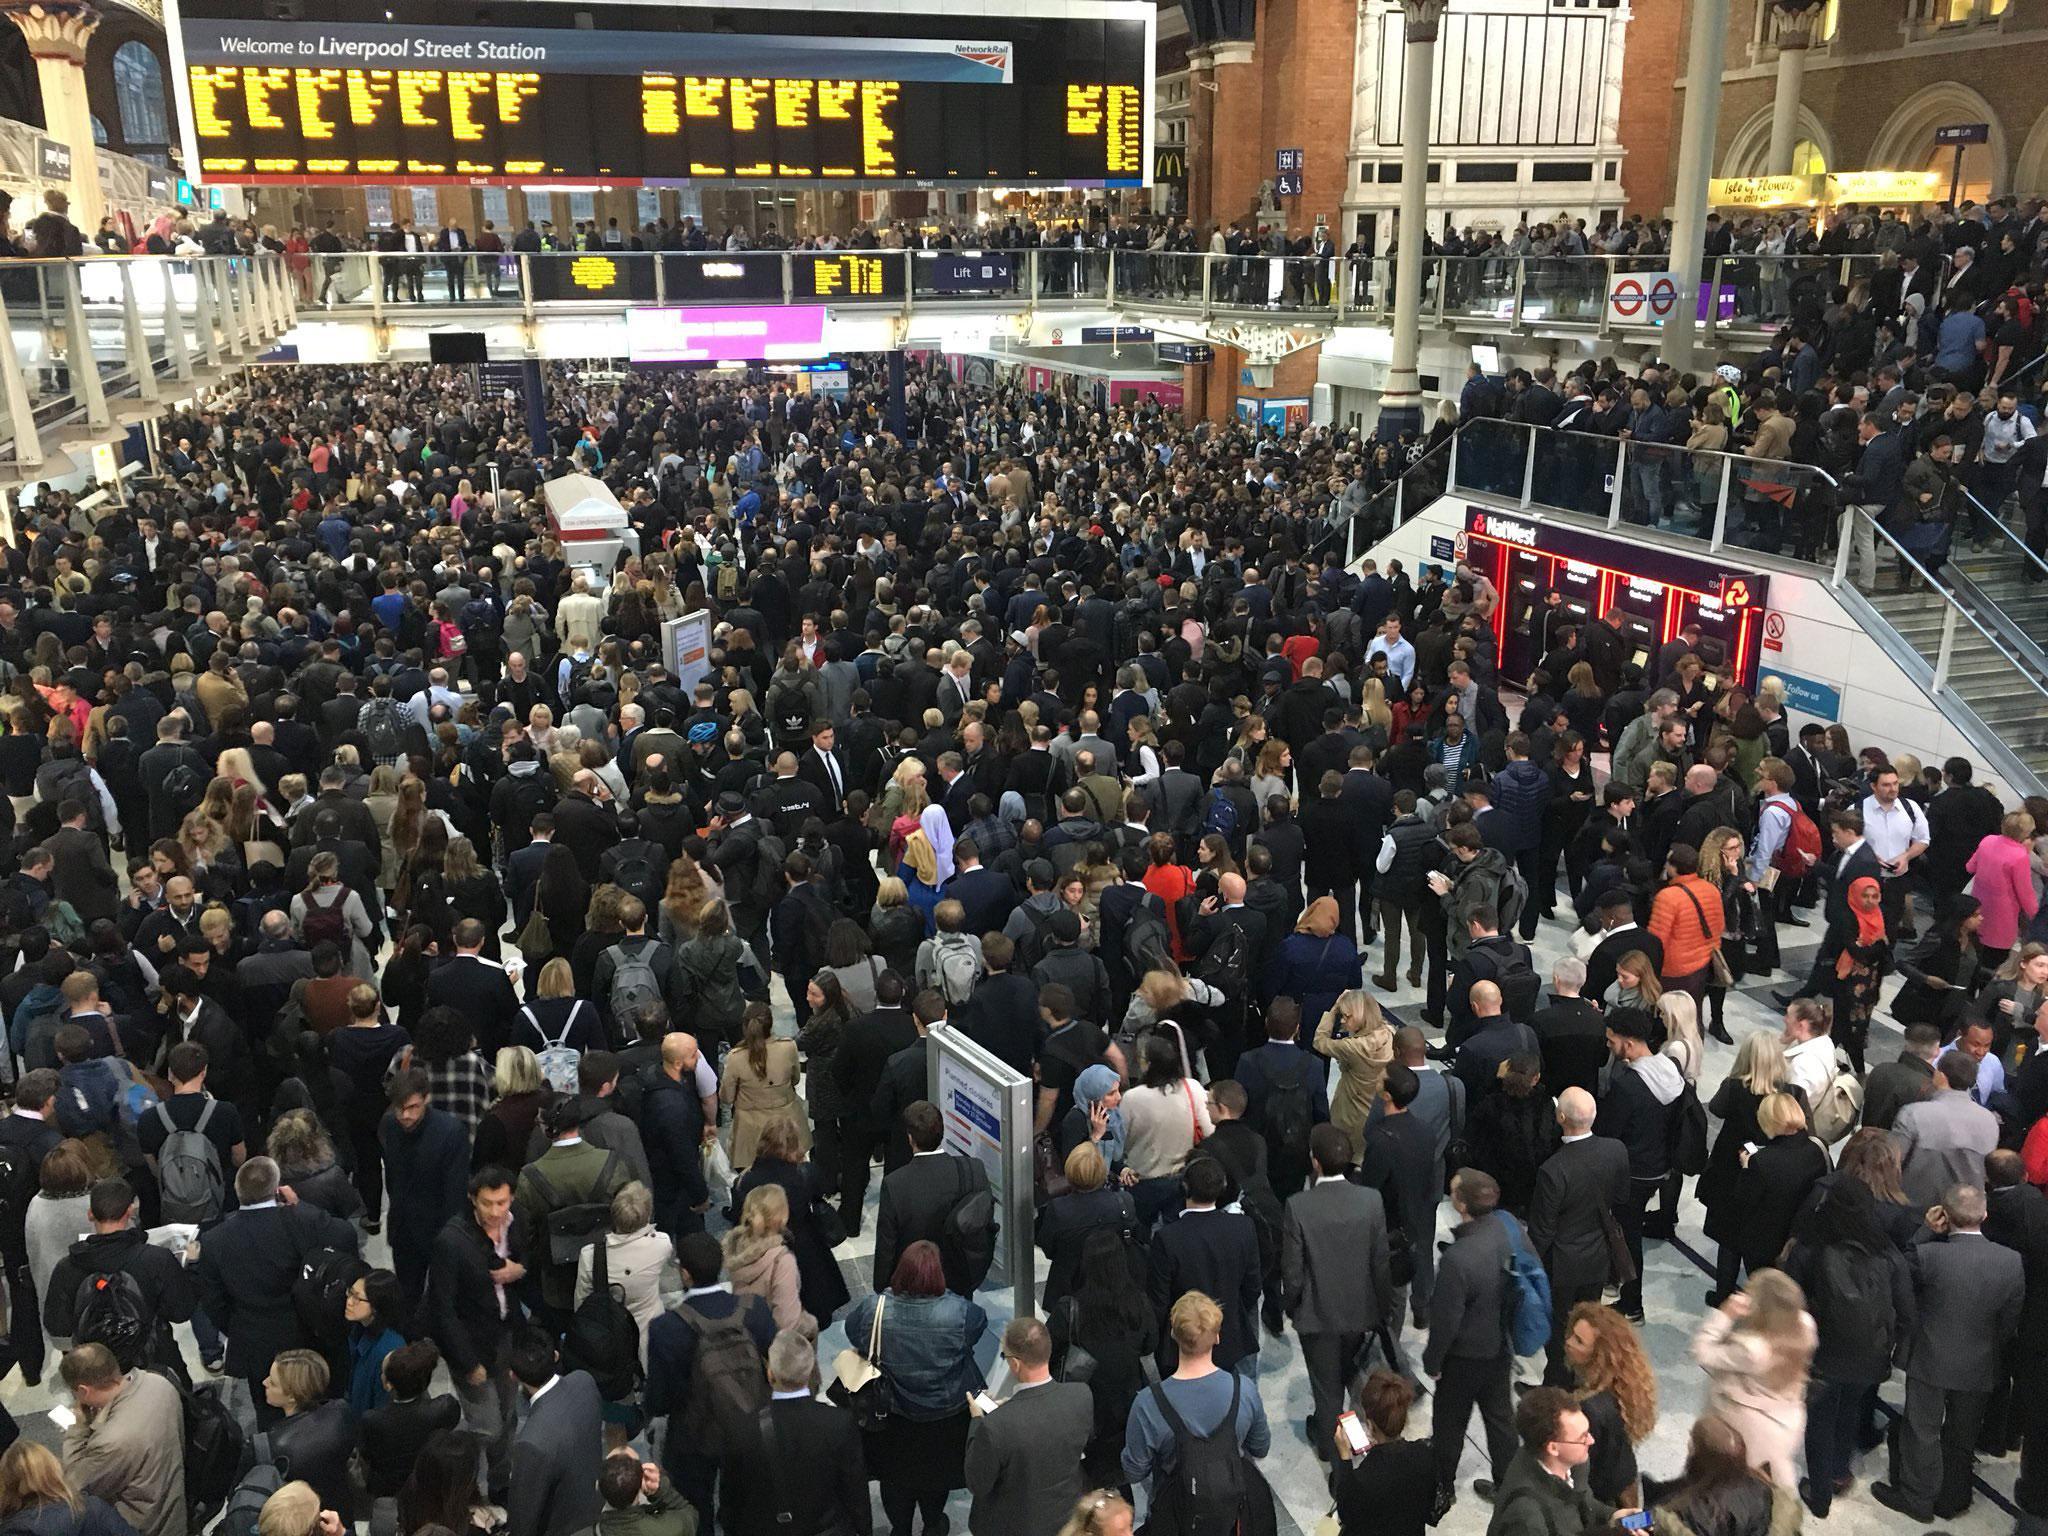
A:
<point x="596" y="273"/>
<point x="1763" y="191"/>
<point x="1884" y="186"/>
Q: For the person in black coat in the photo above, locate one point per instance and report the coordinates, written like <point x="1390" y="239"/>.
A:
<point x="1066" y="1222"/>
<point x="392" y="1435"/>
<point x="778" y="1160"/>
<point x="462" y="1315"/>
<point x="117" y="1245"/>
<point x="1775" y="1182"/>
<point x="475" y="988"/>
<point x="864" y="1050"/>
<point x="1387" y="1490"/>
<point x="1944" y="972"/>
<point x="672" y="1125"/>
<point x="1214" y="1251"/>
<point x="248" y="1265"/>
<point x="1580" y="1190"/>
<point x="1570" y="1034"/>
<point x="2017" y="1218"/>
<point x="804" y="1468"/>
<point x="917" y="1196"/>
<point x="316" y="1435"/>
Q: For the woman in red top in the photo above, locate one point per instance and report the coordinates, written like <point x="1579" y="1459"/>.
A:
<point x="1169" y="881"/>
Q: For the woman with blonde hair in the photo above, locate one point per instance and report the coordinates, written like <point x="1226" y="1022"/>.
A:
<point x="758" y="1258"/>
<point x="507" y="1126"/>
<point x="1756" y="1348"/>
<point x="1759" y="1072"/>
<point x="1680" y="1016"/>
<point x="1101" y="1513"/>
<point x="382" y="803"/>
<point x="1374" y="709"/>
<point x="1777" y="1179"/>
<point x="760" y="1083"/>
<point x="919" y="873"/>
<point x="1617" y="1394"/>
<point x="213" y="856"/>
<point x="639" y="1261"/>
<point x="1636" y="984"/>
<point x="37" y="1499"/>
<point x="328" y="911"/>
<point x="1355" y="1034"/>
<point x="895" y="928"/>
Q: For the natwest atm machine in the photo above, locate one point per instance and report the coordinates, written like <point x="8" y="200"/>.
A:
<point x="1657" y="591"/>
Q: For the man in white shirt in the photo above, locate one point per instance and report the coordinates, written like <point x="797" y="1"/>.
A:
<point x="1896" y="830"/>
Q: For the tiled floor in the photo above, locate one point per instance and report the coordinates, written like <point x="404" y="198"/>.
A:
<point x="1674" y="1285"/>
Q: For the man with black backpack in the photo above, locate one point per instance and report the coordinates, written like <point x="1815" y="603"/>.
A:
<point x="939" y="1197"/>
<point x="1193" y="1436"/>
<point x="1286" y="1096"/>
<point x="117" y="1288"/>
<point x="563" y="1202"/>
<point x="699" y="1353"/>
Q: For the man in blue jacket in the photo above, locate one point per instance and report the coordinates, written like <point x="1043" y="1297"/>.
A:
<point x="1521" y="802"/>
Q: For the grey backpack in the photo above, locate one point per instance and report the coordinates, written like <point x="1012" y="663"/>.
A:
<point x="188" y="1169"/>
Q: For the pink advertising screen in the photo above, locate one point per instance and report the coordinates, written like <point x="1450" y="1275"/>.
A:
<point x="737" y="333"/>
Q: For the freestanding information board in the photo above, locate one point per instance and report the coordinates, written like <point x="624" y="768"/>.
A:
<point x="986" y="1107"/>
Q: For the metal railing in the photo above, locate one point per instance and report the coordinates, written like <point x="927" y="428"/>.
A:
<point x="1983" y="671"/>
<point x="1387" y="508"/>
<point x="87" y="332"/>
<point x="1696" y="496"/>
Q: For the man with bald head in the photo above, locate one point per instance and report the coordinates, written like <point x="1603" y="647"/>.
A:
<point x="677" y="1110"/>
<point x="1494" y="1039"/>
<point x="1580" y="1190"/>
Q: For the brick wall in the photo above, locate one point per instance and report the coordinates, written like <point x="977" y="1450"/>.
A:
<point x="1649" y="107"/>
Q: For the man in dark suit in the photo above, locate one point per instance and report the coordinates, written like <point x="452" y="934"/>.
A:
<point x="1958" y="819"/>
<point x="986" y="896"/>
<point x="585" y="822"/>
<point x="2017" y="1218"/>
<point x="559" y="1450"/>
<point x="354" y="823"/>
<point x="823" y="767"/>
<point x="1208" y="1249"/>
<point x="917" y="1196"/>
<point x="1336" y="1269"/>
<point x="1852" y="860"/>
<point x="155" y="767"/>
<point x="248" y="1266"/>
<point x="1024" y="1456"/>
<point x="476" y="988"/>
<point x="1970" y="1293"/>
<point x="1468" y="1355"/>
<point x="468" y="1321"/>
<point x="1579" y="1194"/>
<point x="864" y="1050"/>
<point x="803" y="1469"/>
<point x="81" y="874"/>
<point x="522" y="869"/>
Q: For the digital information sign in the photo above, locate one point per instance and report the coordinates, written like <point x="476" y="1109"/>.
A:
<point x="651" y="96"/>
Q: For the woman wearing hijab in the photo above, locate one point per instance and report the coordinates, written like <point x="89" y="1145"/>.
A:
<point x="1860" y="969"/>
<point x="1097" y="1116"/>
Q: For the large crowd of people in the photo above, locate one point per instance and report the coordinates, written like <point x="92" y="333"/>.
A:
<point x="483" y="1035"/>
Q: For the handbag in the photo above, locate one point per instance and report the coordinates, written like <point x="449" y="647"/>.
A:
<point x="1076" y="1363"/>
<point x="1718" y="973"/>
<point x="1194" y="1118"/>
<point x="536" y="940"/>
<point x="858" y="1383"/>
<point x="1621" y="1264"/>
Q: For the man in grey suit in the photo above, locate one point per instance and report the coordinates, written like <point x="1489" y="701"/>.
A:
<point x="560" y="1447"/>
<point x="1337" y="1274"/>
<point x="1943" y="1140"/>
<point x="1024" y="1456"/>
<point x="1969" y="1291"/>
<point x="1580" y="1190"/>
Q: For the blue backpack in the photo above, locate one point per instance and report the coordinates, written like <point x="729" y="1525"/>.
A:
<point x="1220" y="814"/>
<point x="1528" y="1293"/>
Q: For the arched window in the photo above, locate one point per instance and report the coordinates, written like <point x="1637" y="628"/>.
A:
<point x="99" y="132"/>
<point x="139" y="93"/>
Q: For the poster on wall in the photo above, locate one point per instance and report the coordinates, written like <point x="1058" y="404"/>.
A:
<point x="686" y="649"/>
<point x="1277" y="415"/>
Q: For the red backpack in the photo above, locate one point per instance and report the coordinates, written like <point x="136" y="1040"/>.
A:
<point x="1800" y="851"/>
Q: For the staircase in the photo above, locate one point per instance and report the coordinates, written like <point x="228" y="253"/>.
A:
<point x="2001" y="680"/>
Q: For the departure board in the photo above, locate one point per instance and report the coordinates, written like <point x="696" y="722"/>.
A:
<point x="651" y="95"/>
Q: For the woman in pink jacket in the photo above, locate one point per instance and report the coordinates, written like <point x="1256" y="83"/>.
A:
<point x="2004" y="885"/>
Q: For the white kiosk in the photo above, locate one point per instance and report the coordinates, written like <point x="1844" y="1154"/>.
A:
<point x="986" y="1105"/>
<point x="587" y="518"/>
